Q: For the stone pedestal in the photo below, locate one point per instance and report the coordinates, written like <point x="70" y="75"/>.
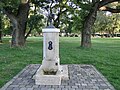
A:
<point x="51" y="72"/>
<point x="50" y="61"/>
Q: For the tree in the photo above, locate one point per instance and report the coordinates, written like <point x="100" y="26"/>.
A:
<point x="17" y="11"/>
<point x="86" y="12"/>
<point x="91" y="17"/>
<point x="88" y="23"/>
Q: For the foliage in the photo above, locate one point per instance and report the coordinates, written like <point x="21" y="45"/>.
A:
<point x="74" y="15"/>
<point x="35" y="22"/>
<point x="107" y="22"/>
<point x="11" y="5"/>
<point x="80" y="13"/>
<point x="7" y="28"/>
<point x="101" y="22"/>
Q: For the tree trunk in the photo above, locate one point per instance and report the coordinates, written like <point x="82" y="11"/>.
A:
<point x="19" y="23"/>
<point x="87" y="27"/>
<point x="0" y="36"/>
<point x="18" y="36"/>
<point x="0" y="29"/>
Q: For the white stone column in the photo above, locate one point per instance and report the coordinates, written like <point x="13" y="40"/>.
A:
<point x="50" y="61"/>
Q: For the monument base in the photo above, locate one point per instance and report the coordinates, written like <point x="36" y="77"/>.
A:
<point x="41" y="79"/>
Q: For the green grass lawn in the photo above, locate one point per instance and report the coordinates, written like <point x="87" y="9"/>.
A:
<point x="104" y="55"/>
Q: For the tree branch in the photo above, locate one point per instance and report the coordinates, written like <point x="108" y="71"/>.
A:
<point x="105" y="2"/>
<point x="110" y="9"/>
<point x="28" y="33"/>
<point x="24" y="1"/>
<point x="60" y="13"/>
<point x="11" y="16"/>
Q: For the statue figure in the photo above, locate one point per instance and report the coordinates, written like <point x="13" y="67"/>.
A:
<point x="50" y="18"/>
<point x="48" y="13"/>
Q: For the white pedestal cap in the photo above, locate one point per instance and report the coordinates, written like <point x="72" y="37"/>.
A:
<point x="50" y="30"/>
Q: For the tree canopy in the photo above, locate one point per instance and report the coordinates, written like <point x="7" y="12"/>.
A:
<point x="69" y="15"/>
